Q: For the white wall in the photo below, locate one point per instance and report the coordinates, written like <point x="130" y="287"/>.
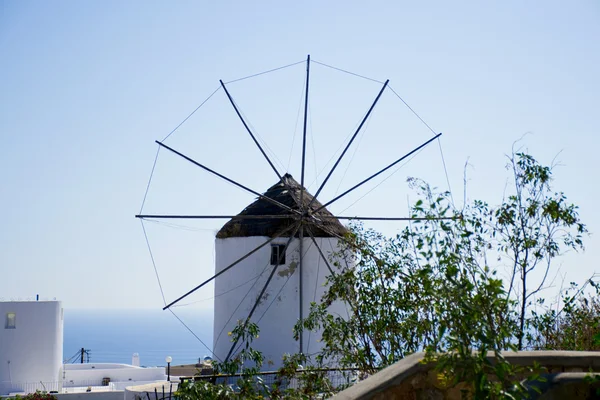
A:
<point x="139" y="391"/>
<point x="116" y="395"/>
<point x="32" y="352"/>
<point x="276" y="328"/>
<point x="92" y="374"/>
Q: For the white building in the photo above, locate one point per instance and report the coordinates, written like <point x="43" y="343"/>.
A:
<point x="112" y="376"/>
<point x="31" y="345"/>
<point x="237" y="290"/>
<point x="31" y="357"/>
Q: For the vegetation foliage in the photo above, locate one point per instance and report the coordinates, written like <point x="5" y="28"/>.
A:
<point x="38" y="395"/>
<point x="457" y="284"/>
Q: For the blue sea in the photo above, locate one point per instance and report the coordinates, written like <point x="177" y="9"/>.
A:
<point x="114" y="335"/>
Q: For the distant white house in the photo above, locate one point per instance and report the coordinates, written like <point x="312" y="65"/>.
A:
<point x="31" y="356"/>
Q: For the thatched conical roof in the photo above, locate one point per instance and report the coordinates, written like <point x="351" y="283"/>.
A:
<point x="322" y="224"/>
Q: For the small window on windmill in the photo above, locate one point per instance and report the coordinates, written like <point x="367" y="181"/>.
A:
<point x="277" y="254"/>
<point x="11" y="319"/>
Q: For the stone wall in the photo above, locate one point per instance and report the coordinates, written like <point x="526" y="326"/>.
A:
<point x="411" y="379"/>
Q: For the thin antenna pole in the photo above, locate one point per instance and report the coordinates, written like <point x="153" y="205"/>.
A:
<point x="228" y="267"/>
<point x="378" y="173"/>
<point x="228" y="179"/>
<point x="304" y="136"/>
<point x="249" y="131"/>
<point x="262" y="292"/>
<point x="349" y="143"/>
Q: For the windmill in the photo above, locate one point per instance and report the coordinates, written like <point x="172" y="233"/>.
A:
<point x="281" y="237"/>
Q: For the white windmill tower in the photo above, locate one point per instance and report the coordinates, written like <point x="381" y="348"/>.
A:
<point x="284" y="241"/>
<point x="278" y="298"/>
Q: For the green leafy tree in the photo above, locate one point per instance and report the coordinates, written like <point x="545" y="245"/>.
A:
<point x="429" y="288"/>
<point x="575" y="326"/>
<point x="433" y="287"/>
<point x="533" y="226"/>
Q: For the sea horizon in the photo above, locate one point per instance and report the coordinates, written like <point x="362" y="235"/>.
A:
<point x="114" y="335"/>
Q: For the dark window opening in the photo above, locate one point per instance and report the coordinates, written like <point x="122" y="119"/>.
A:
<point x="277" y="254"/>
<point x="11" y="318"/>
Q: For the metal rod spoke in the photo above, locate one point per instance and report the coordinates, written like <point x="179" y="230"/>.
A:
<point x="237" y="111"/>
<point x="262" y="292"/>
<point x="302" y="209"/>
<point x="389" y="218"/>
<point x="304" y="138"/>
<point x="333" y="274"/>
<point x="239" y="114"/>
<point x="290" y="216"/>
<point x="169" y="216"/>
<point x="377" y="173"/>
<point x="228" y="179"/>
<point x="349" y="143"/>
<point x="300" y="287"/>
<point x="353" y="245"/>
<point x="230" y="266"/>
<point x="321" y="252"/>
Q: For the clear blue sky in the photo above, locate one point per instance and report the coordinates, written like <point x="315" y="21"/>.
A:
<point x="86" y="88"/>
